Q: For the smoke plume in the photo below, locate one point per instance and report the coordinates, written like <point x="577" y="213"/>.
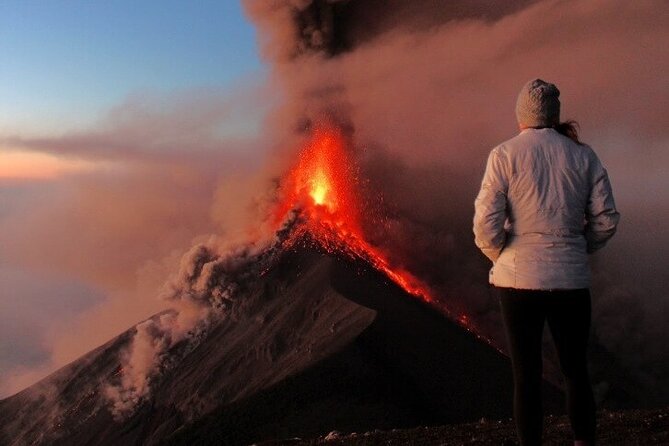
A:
<point x="203" y="290"/>
<point x="429" y="89"/>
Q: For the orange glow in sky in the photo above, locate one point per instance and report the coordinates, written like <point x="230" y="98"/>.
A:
<point x="38" y="166"/>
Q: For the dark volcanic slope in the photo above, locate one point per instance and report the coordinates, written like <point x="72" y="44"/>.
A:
<point x="316" y="344"/>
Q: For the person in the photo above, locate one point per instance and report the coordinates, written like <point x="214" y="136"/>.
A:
<point x="544" y="204"/>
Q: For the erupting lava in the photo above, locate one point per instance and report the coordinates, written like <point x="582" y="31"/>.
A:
<point x="323" y="187"/>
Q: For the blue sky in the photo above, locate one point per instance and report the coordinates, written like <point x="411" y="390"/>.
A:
<point x="62" y="63"/>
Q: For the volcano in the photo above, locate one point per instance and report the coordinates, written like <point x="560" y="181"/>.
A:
<point x="318" y="343"/>
<point x="317" y="331"/>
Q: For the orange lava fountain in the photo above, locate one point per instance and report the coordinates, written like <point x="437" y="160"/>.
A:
<point x="323" y="185"/>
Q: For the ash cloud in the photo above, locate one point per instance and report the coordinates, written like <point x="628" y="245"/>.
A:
<point x="291" y="28"/>
<point x="202" y="292"/>
<point x="120" y="229"/>
<point x="429" y="88"/>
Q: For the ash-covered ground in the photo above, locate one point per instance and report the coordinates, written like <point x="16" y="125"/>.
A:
<point x="626" y="428"/>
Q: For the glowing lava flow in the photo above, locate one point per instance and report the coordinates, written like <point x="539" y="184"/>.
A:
<point x="323" y="186"/>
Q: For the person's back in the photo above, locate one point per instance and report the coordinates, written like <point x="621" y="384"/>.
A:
<point x="545" y="202"/>
<point x="549" y="180"/>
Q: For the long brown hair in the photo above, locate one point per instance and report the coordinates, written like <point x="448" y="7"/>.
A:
<point x="569" y="128"/>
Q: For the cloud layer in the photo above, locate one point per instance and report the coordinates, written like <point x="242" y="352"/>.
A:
<point x="117" y="230"/>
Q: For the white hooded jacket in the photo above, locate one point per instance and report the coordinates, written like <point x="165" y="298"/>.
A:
<point x="545" y="203"/>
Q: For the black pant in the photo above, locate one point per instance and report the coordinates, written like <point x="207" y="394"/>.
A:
<point x="568" y="316"/>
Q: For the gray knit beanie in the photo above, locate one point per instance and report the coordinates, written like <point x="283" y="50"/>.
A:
<point x="538" y="104"/>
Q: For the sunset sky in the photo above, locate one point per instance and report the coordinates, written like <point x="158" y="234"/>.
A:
<point x="132" y="130"/>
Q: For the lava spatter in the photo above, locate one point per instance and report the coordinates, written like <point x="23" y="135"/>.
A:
<point x="324" y="186"/>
